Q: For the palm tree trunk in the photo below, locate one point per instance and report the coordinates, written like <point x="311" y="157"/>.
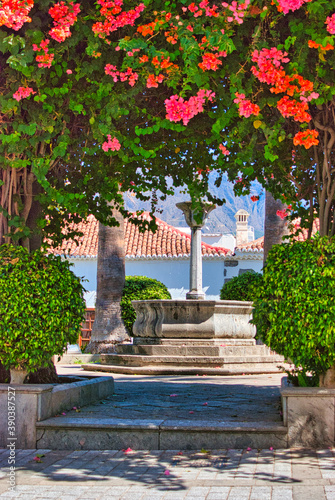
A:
<point x="108" y="328"/>
<point x="274" y="227"/>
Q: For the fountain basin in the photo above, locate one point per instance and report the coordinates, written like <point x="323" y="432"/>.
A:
<point x="207" y="319"/>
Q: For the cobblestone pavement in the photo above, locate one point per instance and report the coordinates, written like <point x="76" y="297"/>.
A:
<point x="171" y="475"/>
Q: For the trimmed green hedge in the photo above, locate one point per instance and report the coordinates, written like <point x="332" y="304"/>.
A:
<point x="41" y="307"/>
<point x="294" y="311"/>
<point x="241" y="287"/>
<point x="140" y="288"/>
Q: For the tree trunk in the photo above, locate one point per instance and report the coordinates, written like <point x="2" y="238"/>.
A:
<point x="274" y="227"/>
<point x="18" y="192"/>
<point x="108" y="328"/>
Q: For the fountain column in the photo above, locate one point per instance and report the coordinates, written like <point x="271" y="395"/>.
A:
<point x="196" y="291"/>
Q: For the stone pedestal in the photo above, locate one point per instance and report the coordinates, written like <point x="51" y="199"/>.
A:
<point x="195" y="224"/>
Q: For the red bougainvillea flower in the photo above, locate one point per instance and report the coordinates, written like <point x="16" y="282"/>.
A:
<point x="306" y="138"/>
<point x="64" y="17"/>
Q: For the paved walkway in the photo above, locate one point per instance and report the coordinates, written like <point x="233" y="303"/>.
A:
<point x="178" y="474"/>
<point x="171" y="475"/>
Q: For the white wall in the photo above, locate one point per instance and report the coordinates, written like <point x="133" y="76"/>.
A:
<point x="174" y="273"/>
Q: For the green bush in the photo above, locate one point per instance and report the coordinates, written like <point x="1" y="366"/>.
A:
<point x="41" y="307"/>
<point x="241" y="287"/>
<point x="140" y="288"/>
<point x="295" y="306"/>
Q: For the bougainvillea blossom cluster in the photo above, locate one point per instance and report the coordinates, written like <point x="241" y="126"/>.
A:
<point x="129" y="76"/>
<point x="287" y="5"/>
<point x="211" y="61"/>
<point x="178" y="109"/>
<point x="14" y="13"/>
<point x="112" y="144"/>
<point x="115" y="18"/>
<point x="306" y="138"/>
<point x="284" y="213"/>
<point x="64" y="17"/>
<point x="330" y="22"/>
<point x="45" y="58"/>
<point x="153" y="80"/>
<point x="270" y="70"/>
<point x="224" y="150"/>
<point x="22" y="93"/>
<point x="245" y="107"/>
<point x="236" y="11"/>
<point x="296" y="109"/>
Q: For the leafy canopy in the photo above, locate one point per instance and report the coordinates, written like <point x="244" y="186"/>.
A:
<point x="106" y="96"/>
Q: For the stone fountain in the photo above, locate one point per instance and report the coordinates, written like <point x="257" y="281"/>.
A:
<point x="192" y="336"/>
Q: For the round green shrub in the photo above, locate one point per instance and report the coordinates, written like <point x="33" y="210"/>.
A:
<point x="241" y="287"/>
<point x="41" y="307"/>
<point x="140" y="288"/>
<point x="294" y="310"/>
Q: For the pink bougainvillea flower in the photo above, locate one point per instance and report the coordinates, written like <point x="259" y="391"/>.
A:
<point x="178" y="109"/>
<point x="191" y="411"/>
<point x="330" y="22"/>
<point x="22" y="93"/>
<point x="224" y="150"/>
<point x="249" y="449"/>
<point x="128" y="450"/>
<point x="246" y="107"/>
<point x="173" y="395"/>
<point x="112" y="144"/>
<point x="13" y="14"/>
<point x="204" y="404"/>
<point x="271" y="448"/>
<point x="287" y="5"/>
<point x="166" y="472"/>
<point x="69" y="71"/>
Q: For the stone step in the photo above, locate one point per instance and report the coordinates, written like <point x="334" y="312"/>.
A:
<point x="172" y="369"/>
<point x="190" y="341"/>
<point x="199" y="350"/>
<point x="66" y="433"/>
<point x="201" y="361"/>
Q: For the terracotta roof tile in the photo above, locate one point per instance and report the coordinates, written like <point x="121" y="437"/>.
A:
<point x="258" y="245"/>
<point x="167" y="241"/>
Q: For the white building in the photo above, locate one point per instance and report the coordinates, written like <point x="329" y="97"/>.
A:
<point x="165" y="256"/>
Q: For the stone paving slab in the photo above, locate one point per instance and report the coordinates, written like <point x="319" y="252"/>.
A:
<point x="165" y="412"/>
<point x="249" y="398"/>
<point x="245" y="474"/>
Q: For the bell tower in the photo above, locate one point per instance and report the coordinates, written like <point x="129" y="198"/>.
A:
<point x="241" y="227"/>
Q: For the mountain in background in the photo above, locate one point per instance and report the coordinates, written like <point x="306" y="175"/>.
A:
<point x="221" y="220"/>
